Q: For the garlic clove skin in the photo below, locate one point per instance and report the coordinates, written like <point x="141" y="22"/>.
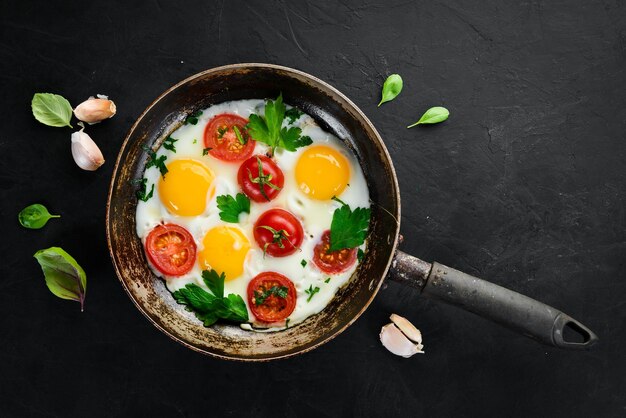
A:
<point x="407" y="328"/>
<point x="94" y="110"/>
<point x="86" y="153"/>
<point x="396" y="342"/>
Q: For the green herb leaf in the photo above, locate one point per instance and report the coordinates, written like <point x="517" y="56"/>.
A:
<point x="359" y="255"/>
<point x="214" y="281"/>
<point x="327" y="280"/>
<point x="193" y="118"/>
<point x="208" y="307"/>
<point x="303" y="263"/>
<point x="391" y="88"/>
<point x="287" y="322"/>
<point x="195" y="141"/>
<point x="240" y="138"/>
<point x="293" y="115"/>
<point x="51" y="109"/>
<point x="348" y="228"/>
<point x="169" y="143"/>
<point x="269" y="130"/>
<point x="230" y="207"/>
<point x="433" y="115"/>
<point x="64" y="277"/>
<point x="35" y="216"/>
<point x="279" y="291"/>
<point x="311" y="291"/>
<point x="155" y="161"/>
<point x="206" y="151"/>
<point x="141" y="192"/>
<point x="291" y="139"/>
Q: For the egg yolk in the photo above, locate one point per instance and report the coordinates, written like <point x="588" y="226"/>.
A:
<point x="322" y="172"/>
<point x="225" y="250"/>
<point x="184" y="189"/>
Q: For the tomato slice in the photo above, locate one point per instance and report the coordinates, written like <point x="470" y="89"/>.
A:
<point x="171" y="249"/>
<point x="332" y="262"/>
<point x="260" y="185"/>
<point x="220" y="136"/>
<point x="265" y="297"/>
<point x="278" y="232"/>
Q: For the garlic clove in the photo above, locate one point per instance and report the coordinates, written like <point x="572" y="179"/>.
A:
<point x="407" y="328"/>
<point x="94" y="110"/>
<point x="86" y="153"/>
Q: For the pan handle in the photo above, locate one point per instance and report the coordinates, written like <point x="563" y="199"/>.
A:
<point x="506" y="307"/>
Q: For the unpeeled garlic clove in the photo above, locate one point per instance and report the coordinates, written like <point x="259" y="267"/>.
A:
<point x="407" y="328"/>
<point x="397" y="342"/>
<point x="94" y="110"/>
<point x="85" y="152"/>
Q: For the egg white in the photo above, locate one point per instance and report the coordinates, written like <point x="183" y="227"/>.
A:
<point x="315" y="215"/>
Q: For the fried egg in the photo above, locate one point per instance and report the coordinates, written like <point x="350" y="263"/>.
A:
<point x="186" y="196"/>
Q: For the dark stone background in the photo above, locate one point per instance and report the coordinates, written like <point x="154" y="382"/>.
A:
<point x="523" y="185"/>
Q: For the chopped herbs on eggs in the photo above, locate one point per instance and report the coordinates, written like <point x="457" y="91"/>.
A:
<point x="155" y="161"/>
<point x="311" y="291"/>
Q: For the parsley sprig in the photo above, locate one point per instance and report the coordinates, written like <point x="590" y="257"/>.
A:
<point x="269" y="130"/>
<point x="279" y="291"/>
<point x="209" y="307"/>
<point x="230" y="207"/>
<point x="348" y="228"/>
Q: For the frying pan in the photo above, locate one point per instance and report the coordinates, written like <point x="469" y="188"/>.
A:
<point x="337" y="114"/>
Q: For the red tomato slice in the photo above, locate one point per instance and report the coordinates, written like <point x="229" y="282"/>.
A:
<point x="332" y="262"/>
<point x="171" y="249"/>
<point x="271" y="306"/>
<point x="264" y="186"/>
<point x="278" y="232"/>
<point x="220" y="136"/>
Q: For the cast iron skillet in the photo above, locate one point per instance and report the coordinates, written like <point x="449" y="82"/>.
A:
<point x="338" y="114"/>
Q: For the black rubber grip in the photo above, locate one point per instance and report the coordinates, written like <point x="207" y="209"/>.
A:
<point x="506" y="307"/>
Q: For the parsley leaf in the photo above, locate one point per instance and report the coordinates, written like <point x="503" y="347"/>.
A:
<point x="230" y="207"/>
<point x="206" y="151"/>
<point x="169" y="143"/>
<point x="311" y="292"/>
<point x="141" y="193"/>
<point x="293" y="114"/>
<point x="327" y="280"/>
<point x="303" y="263"/>
<point x="348" y="228"/>
<point x="214" y="282"/>
<point x="269" y="130"/>
<point x="279" y="291"/>
<point x="291" y="139"/>
<point x="154" y="161"/>
<point x="193" y="118"/>
<point x="208" y="307"/>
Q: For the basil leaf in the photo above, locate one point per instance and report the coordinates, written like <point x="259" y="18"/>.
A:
<point x="391" y="88"/>
<point x="433" y="115"/>
<point x="51" y="109"/>
<point x="35" y="216"/>
<point x="64" y="277"/>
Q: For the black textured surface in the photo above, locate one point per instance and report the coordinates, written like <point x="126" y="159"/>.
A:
<point x="523" y="185"/>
